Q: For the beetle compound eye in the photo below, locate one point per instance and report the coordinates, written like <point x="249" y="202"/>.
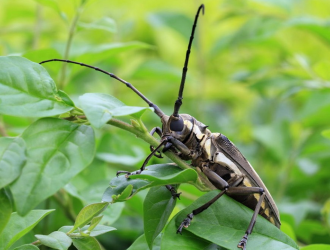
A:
<point x="177" y="124"/>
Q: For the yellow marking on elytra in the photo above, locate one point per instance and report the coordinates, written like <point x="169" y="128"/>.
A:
<point x="263" y="204"/>
<point x="267" y="212"/>
<point x="247" y="183"/>
<point x="271" y="219"/>
<point x="257" y="196"/>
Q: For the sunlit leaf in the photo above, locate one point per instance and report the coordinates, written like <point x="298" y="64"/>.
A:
<point x="95" y="221"/>
<point x="26" y="89"/>
<point x="88" y="213"/>
<point x="316" y="247"/>
<point x="57" y="240"/>
<point x="98" y="230"/>
<point x="100" y="108"/>
<point x="104" y="23"/>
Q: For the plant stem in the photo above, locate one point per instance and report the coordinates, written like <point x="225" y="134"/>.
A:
<point x="37" y="27"/>
<point x="2" y="128"/>
<point x="68" y="44"/>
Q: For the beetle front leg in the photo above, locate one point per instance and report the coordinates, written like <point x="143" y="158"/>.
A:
<point x="158" y="131"/>
<point x="144" y="163"/>
<point x="182" y="148"/>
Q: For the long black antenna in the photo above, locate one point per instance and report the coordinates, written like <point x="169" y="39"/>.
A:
<point x="157" y="110"/>
<point x="178" y="102"/>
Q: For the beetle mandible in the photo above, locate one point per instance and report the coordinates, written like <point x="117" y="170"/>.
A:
<point x="213" y="153"/>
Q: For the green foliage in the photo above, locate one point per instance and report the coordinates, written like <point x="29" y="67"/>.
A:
<point x="18" y="226"/>
<point x="12" y="159"/>
<point x="258" y="73"/>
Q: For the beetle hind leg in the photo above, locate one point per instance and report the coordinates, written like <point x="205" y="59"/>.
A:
<point x="186" y="222"/>
<point x="243" y="242"/>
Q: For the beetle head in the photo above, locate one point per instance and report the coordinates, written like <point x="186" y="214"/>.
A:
<point x="179" y="127"/>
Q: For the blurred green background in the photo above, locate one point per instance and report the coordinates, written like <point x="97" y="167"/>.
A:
<point x="258" y="73"/>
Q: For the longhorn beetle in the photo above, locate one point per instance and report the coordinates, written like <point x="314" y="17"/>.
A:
<point x="216" y="156"/>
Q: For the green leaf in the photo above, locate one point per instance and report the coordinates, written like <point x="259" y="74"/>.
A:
<point x="326" y="133"/>
<point x="98" y="230"/>
<point x="12" y="159"/>
<point x="141" y="244"/>
<point x="86" y="243"/>
<point x="57" y="240"/>
<point x="101" y="229"/>
<point x="27" y="247"/>
<point x="155" y="175"/>
<point x="177" y="21"/>
<point x="92" y="53"/>
<point x="288" y="230"/>
<point x="158" y="206"/>
<point x="19" y="226"/>
<point x="27" y="90"/>
<point x="105" y="23"/>
<point x="124" y="195"/>
<point x="100" y="108"/>
<point x="88" y="213"/>
<point x="57" y="150"/>
<point x="316" y="26"/>
<point x="316" y="247"/>
<point x="224" y="223"/>
<point x="5" y="209"/>
<point x="171" y="240"/>
<point x="95" y="221"/>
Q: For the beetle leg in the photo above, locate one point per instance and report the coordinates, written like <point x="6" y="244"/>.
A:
<point x="173" y="191"/>
<point x="186" y="222"/>
<point x="157" y="130"/>
<point x="242" y="243"/>
<point x="219" y="183"/>
<point x="182" y="148"/>
<point x="144" y="163"/>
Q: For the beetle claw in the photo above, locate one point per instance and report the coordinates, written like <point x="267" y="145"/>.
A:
<point x="242" y="243"/>
<point x="185" y="223"/>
